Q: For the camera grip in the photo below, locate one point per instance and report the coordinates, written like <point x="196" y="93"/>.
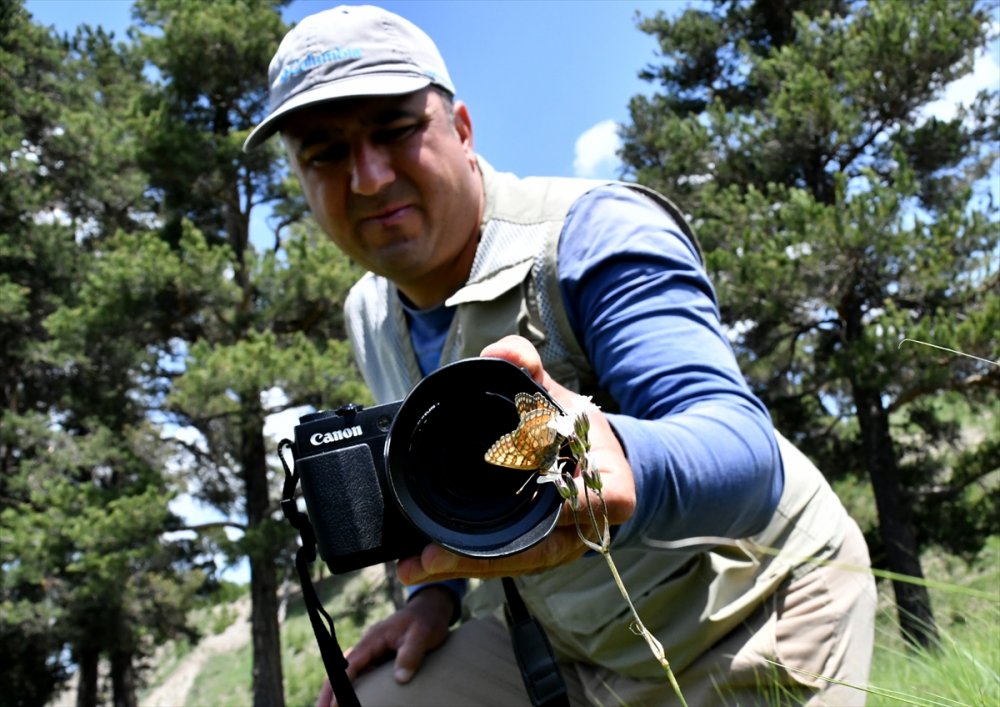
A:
<point x="344" y="500"/>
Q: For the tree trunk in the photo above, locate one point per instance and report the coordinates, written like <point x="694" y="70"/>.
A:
<point x="916" y="618"/>
<point x="268" y="689"/>
<point x="123" y="679"/>
<point x="86" y="689"/>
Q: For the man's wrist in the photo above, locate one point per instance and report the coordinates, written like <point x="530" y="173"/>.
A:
<point x="450" y="591"/>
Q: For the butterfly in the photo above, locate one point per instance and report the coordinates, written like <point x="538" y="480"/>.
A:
<point x="533" y="445"/>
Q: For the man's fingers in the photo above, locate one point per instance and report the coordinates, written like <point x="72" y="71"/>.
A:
<point x="522" y="354"/>
<point x="562" y="545"/>
<point x="409" y="634"/>
<point x="409" y="657"/>
<point x="369" y="650"/>
<point x="325" y="698"/>
<point x="515" y="349"/>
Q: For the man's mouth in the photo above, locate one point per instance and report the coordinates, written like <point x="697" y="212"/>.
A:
<point x="389" y="215"/>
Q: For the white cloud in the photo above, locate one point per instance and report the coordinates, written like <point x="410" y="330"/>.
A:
<point x="194" y="511"/>
<point x="49" y="217"/>
<point x="282" y="424"/>
<point x="187" y="434"/>
<point x="273" y="397"/>
<point x="985" y="74"/>
<point x="595" y="151"/>
<point x="735" y="332"/>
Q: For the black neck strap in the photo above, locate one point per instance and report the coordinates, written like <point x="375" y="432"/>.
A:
<point x="539" y="669"/>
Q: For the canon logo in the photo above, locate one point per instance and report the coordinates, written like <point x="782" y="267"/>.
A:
<point x="335" y="436"/>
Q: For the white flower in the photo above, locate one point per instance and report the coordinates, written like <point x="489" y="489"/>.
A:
<point x="552" y="474"/>
<point x="564" y="424"/>
<point x="581" y="405"/>
<point x="548" y="477"/>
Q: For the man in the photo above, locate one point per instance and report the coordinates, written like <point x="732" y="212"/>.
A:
<point x="730" y="542"/>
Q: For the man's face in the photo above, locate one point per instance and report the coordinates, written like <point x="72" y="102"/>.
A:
<point x="393" y="181"/>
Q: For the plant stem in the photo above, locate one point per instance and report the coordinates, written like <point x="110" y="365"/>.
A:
<point x="604" y="547"/>
<point x="654" y="645"/>
<point x="580" y="446"/>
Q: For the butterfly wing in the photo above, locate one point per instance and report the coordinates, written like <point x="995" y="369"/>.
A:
<point x="531" y="445"/>
<point x="526" y="402"/>
<point x="506" y="453"/>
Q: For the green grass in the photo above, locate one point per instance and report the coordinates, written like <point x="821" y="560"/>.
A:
<point x="225" y="680"/>
<point x="964" y="671"/>
<point x="167" y="658"/>
<point x="220" y="618"/>
<point x="353" y="602"/>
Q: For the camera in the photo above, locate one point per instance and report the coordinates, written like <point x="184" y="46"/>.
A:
<point x="380" y="483"/>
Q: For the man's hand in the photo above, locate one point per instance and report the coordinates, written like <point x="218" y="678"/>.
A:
<point x="562" y="545"/>
<point x="419" y="627"/>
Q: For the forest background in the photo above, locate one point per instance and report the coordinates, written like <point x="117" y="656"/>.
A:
<point x="838" y="214"/>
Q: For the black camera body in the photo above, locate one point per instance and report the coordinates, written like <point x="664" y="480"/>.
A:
<point x="380" y="483"/>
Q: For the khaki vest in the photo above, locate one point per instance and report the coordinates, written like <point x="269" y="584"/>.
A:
<point x="688" y="597"/>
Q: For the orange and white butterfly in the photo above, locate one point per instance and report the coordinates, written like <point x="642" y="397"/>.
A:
<point x="534" y="444"/>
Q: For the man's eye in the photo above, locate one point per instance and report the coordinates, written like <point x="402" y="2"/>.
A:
<point x="324" y="154"/>
<point x="396" y="133"/>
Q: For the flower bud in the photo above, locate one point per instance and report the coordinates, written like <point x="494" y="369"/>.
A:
<point x="582" y="428"/>
<point x="593" y="480"/>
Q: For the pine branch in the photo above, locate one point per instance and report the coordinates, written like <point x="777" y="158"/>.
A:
<point x="200" y="527"/>
<point x="985" y="380"/>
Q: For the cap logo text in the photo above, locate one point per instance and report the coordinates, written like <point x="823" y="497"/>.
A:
<point x="313" y="60"/>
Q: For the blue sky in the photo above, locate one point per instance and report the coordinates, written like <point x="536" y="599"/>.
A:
<point x="544" y="80"/>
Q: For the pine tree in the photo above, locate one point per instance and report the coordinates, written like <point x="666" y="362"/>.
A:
<point x="838" y="217"/>
<point x="134" y="303"/>
<point x="238" y="319"/>
<point x="83" y="500"/>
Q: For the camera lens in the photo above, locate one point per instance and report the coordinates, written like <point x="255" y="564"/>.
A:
<point x="437" y="471"/>
<point x="454" y="484"/>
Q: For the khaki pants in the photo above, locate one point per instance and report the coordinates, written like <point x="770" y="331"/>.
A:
<point x="822" y="622"/>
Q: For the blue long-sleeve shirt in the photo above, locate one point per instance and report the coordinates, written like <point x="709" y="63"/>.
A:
<point x="700" y="444"/>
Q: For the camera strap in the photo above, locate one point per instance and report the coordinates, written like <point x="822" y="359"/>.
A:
<point x="322" y="625"/>
<point x="535" y="659"/>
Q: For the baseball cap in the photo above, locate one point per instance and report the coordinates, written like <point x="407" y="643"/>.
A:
<point x="344" y="52"/>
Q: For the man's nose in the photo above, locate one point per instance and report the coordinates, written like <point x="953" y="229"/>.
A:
<point x="371" y="169"/>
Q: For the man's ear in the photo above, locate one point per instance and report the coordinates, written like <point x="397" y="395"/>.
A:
<point x="463" y="126"/>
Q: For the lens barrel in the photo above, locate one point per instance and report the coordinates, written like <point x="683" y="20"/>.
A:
<point x="437" y="471"/>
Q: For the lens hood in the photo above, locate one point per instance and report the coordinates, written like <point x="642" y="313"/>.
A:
<point x="436" y="468"/>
